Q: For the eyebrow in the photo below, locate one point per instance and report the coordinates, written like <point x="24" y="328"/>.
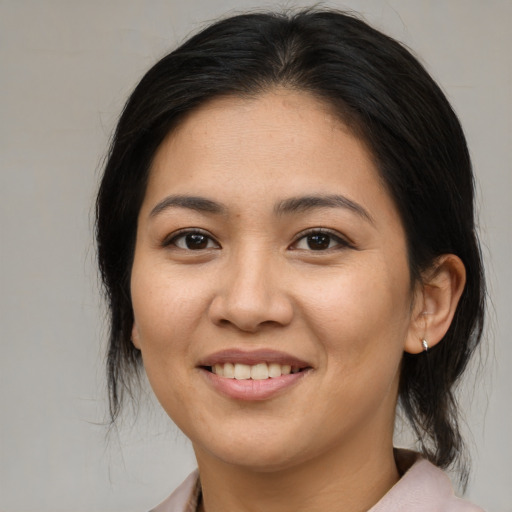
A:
<point x="305" y="203"/>
<point x="287" y="206"/>
<point x="199" y="204"/>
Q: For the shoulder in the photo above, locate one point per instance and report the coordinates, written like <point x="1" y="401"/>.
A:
<point x="423" y="488"/>
<point x="184" y="498"/>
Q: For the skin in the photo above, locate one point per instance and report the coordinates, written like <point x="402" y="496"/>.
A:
<point x="348" y="310"/>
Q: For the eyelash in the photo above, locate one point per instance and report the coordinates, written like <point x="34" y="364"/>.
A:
<point x="174" y="237"/>
<point x="333" y="236"/>
<point x="341" y="243"/>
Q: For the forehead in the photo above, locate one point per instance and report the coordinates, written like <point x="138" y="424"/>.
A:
<point x="271" y="146"/>
<point x="273" y="126"/>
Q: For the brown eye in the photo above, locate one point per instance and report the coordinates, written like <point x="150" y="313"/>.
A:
<point x="318" y="241"/>
<point x="194" y="241"/>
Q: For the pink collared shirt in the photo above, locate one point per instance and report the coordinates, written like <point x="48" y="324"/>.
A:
<point x="422" y="488"/>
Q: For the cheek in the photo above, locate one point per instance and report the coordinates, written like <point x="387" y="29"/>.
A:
<point x="359" y="313"/>
<point x="362" y="319"/>
<point x="167" y="308"/>
<point x="165" y="311"/>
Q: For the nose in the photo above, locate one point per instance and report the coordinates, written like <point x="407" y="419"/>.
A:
<point x="252" y="294"/>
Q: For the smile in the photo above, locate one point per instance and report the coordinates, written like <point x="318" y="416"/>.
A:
<point x="257" y="375"/>
<point x="259" y="371"/>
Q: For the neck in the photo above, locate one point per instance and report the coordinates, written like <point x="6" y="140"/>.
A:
<point x="350" y="481"/>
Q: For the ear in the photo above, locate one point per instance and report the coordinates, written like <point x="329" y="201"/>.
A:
<point x="436" y="299"/>
<point x="135" y="336"/>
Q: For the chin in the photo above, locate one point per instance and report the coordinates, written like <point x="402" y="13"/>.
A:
<point x="259" y="460"/>
<point x="255" y="451"/>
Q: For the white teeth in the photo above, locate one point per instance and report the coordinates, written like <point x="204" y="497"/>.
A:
<point x="274" y="370"/>
<point x="260" y="371"/>
<point x="229" y="370"/>
<point x="242" y="371"/>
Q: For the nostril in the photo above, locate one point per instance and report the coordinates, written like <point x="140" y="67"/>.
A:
<point x="249" y="306"/>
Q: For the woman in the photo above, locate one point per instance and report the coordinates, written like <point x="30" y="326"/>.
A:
<point x="286" y="236"/>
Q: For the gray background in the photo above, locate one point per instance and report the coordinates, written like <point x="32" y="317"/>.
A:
<point x="66" y="68"/>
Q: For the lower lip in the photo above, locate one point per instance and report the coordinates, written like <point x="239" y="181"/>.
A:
<point x="255" y="390"/>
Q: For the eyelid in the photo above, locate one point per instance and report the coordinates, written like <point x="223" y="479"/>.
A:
<point x="172" y="237"/>
<point x="342" y="241"/>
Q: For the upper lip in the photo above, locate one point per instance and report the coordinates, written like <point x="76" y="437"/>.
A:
<point x="252" y="357"/>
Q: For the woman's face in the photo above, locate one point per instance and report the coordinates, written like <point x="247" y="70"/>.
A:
<point x="266" y="243"/>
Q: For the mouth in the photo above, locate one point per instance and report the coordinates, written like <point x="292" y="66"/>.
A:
<point x="255" y="375"/>
<point x="258" y="371"/>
